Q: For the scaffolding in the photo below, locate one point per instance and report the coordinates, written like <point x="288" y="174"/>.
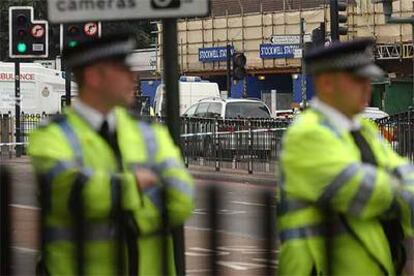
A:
<point x="246" y="31"/>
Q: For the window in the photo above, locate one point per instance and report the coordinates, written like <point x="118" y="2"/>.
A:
<point x="190" y="112"/>
<point x="214" y="110"/>
<point x="246" y="110"/>
<point x="202" y="110"/>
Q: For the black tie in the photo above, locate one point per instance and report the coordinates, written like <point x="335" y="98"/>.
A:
<point x="112" y="141"/>
<point x="104" y="132"/>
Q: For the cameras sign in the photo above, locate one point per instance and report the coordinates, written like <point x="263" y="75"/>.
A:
<point x="64" y="11"/>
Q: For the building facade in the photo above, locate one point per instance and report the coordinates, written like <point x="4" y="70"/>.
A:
<point x="252" y="27"/>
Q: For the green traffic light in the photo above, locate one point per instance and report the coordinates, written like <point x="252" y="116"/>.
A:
<point x="73" y="43"/>
<point x="21" y="47"/>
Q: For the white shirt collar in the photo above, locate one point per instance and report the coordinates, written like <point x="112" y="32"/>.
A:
<point x="94" y="117"/>
<point x="337" y="118"/>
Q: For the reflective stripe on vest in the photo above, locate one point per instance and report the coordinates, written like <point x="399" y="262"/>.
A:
<point x="62" y="166"/>
<point x="151" y="145"/>
<point x="154" y="194"/>
<point x="73" y="140"/>
<point x="95" y="232"/>
<point x="342" y="178"/>
<point x="169" y="163"/>
<point x="150" y="141"/>
<point x="291" y="205"/>
<point x="305" y="232"/>
<point x="366" y="189"/>
<point x="403" y="170"/>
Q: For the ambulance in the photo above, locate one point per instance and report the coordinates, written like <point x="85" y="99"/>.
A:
<point x="42" y="90"/>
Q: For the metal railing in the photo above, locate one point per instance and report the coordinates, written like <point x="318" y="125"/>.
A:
<point x="28" y="122"/>
<point x="398" y="130"/>
<point x="247" y="144"/>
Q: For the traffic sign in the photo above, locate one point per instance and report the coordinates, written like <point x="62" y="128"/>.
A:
<point x="38" y="31"/>
<point x="91" y="29"/>
<point x="65" y="11"/>
<point x="288" y="39"/>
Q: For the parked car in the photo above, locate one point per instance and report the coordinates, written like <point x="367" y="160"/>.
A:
<point x="216" y="107"/>
<point x="235" y="118"/>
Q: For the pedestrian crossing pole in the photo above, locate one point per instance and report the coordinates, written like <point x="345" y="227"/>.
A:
<point x="170" y="61"/>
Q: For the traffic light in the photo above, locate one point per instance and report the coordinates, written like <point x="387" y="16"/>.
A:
<point x="318" y="36"/>
<point x="239" y="63"/>
<point x="338" y="18"/>
<point x="28" y="38"/>
<point x="74" y="33"/>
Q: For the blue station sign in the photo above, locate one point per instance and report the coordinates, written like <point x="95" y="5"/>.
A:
<point x="213" y="54"/>
<point x="277" y="51"/>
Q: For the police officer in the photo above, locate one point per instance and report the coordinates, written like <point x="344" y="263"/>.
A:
<point x="345" y="200"/>
<point x="102" y="172"/>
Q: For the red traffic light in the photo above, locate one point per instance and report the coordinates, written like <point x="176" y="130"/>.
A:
<point x="73" y="30"/>
<point x="22" y="19"/>
<point x="21" y="33"/>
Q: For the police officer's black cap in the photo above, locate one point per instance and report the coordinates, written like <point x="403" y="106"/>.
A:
<point x="355" y="56"/>
<point x="115" y="47"/>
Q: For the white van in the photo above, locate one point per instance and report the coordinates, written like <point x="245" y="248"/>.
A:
<point x="41" y="89"/>
<point x="191" y="90"/>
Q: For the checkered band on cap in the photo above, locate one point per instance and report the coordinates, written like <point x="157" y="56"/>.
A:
<point x="99" y="52"/>
<point x="341" y="61"/>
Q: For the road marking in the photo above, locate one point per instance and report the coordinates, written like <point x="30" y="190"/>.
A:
<point x="240" y="265"/>
<point x="204" y="252"/>
<point x="25" y="249"/>
<point x="197" y="270"/>
<point x="200" y="211"/>
<point x="276" y="262"/>
<point x="249" y="203"/>
<point x="231" y="233"/>
<point x="24" y="207"/>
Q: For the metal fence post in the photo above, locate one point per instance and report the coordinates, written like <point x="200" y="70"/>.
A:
<point x="269" y="231"/>
<point x="213" y="201"/>
<point x="4" y="129"/>
<point x="216" y="144"/>
<point x="5" y="254"/>
<point x="186" y="148"/>
<point x="250" y="145"/>
<point x="410" y="122"/>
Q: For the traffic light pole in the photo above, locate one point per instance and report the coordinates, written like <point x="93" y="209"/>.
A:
<point x="229" y="71"/>
<point x="17" y="107"/>
<point x="334" y="20"/>
<point x="170" y="60"/>
<point x="68" y="80"/>
<point x="303" y="78"/>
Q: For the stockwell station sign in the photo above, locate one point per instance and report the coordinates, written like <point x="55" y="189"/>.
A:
<point x="63" y="11"/>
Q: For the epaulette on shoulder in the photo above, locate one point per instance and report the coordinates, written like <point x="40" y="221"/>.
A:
<point x="54" y="119"/>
